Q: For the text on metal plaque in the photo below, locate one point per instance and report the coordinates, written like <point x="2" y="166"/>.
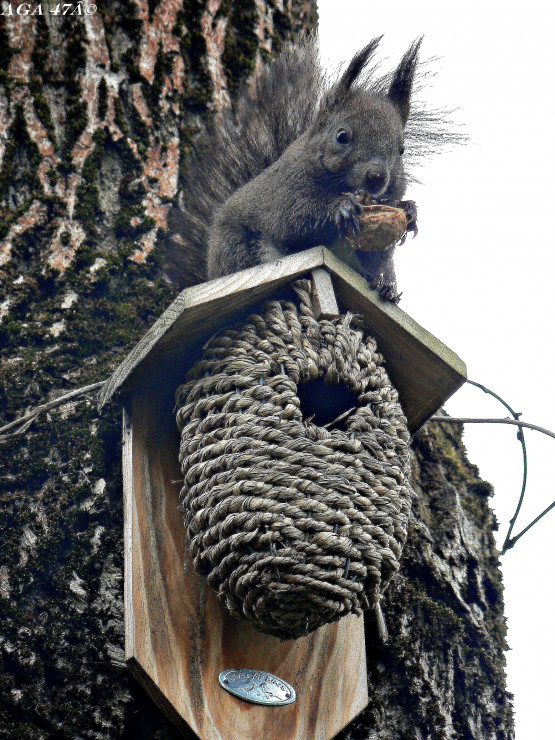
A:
<point x="257" y="687"/>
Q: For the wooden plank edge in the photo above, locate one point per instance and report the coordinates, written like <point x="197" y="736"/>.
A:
<point x="127" y="470"/>
<point x="364" y="706"/>
<point x="271" y="274"/>
<point x="419" y="421"/>
<point x="163" y="704"/>
<point x="428" y="341"/>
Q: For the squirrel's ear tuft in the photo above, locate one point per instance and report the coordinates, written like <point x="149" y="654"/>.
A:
<point x="356" y="65"/>
<point x="401" y="85"/>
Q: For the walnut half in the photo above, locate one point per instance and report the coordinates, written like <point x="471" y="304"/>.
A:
<point x="380" y="227"/>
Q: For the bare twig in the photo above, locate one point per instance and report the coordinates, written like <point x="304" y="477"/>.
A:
<point x="24" y="422"/>
<point x="514" y="422"/>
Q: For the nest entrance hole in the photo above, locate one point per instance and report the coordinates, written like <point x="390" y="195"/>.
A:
<point x="326" y="404"/>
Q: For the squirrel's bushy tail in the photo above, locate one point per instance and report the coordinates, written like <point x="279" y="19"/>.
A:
<point x="268" y="116"/>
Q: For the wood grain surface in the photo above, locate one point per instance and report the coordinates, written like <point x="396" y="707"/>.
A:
<point x="423" y="369"/>
<point x="323" y="295"/>
<point x="178" y="637"/>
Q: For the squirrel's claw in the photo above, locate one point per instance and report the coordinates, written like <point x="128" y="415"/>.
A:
<point x="411" y="212"/>
<point x="386" y="289"/>
<point x="346" y="215"/>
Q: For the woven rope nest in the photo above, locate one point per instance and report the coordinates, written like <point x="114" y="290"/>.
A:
<point x="294" y="524"/>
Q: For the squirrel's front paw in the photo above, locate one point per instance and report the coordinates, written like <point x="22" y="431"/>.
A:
<point x="411" y="212"/>
<point x="346" y="215"/>
<point x="387" y="289"/>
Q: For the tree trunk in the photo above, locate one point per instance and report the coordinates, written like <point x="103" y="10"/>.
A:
<point x="97" y="112"/>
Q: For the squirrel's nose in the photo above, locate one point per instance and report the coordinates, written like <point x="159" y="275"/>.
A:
<point x="376" y="179"/>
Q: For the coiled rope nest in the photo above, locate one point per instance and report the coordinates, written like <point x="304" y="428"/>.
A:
<point x="294" y="524"/>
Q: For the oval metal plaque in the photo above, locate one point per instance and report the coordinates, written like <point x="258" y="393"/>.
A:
<point x="258" y="687"/>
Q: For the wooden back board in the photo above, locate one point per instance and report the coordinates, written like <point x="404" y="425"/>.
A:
<point x="177" y="635"/>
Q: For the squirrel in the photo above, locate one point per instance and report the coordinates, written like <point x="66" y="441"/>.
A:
<point x="282" y="171"/>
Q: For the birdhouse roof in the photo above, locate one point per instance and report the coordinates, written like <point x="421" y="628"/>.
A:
<point x="423" y="369"/>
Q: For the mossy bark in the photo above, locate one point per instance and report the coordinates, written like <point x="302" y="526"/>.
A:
<point x="97" y="114"/>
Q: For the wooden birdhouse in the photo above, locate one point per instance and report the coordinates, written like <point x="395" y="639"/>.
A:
<point x="205" y="668"/>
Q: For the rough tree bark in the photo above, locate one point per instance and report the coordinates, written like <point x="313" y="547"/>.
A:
<point x="96" y="113"/>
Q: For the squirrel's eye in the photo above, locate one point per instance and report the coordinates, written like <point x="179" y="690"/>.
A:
<point x="401" y="150"/>
<point x="342" y="136"/>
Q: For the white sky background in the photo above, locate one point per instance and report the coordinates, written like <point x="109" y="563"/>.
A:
<point x="480" y="274"/>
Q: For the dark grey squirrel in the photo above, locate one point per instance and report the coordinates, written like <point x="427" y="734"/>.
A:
<point x="281" y="172"/>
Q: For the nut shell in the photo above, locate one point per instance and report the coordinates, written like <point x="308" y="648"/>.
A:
<point x="380" y="227"/>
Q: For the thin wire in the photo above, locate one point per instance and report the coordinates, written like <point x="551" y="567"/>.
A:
<point x="515" y="539"/>
<point x="507" y="544"/>
<point x="510" y="541"/>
